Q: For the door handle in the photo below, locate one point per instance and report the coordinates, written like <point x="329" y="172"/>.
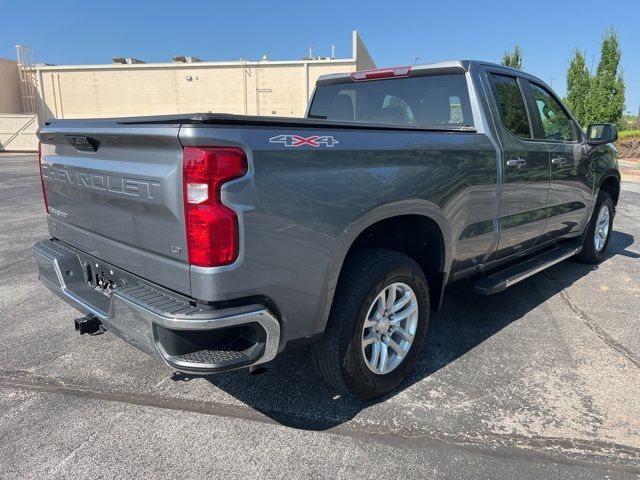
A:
<point x="516" y="162"/>
<point x="558" y="160"/>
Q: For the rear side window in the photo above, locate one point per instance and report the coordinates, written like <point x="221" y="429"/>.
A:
<point x="437" y="101"/>
<point x="556" y="124"/>
<point x="512" y="108"/>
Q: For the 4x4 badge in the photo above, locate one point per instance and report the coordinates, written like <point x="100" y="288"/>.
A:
<point x="299" y="141"/>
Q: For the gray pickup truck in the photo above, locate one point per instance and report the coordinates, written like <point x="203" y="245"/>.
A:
<point x="215" y="242"/>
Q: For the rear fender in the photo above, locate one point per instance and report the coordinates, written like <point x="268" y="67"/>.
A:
<point x="384" y="212"/>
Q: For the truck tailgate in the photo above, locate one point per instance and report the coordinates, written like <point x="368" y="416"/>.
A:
<point x="115" y="192"/>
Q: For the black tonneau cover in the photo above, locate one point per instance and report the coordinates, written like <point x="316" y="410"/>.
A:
<point x="248" y="120"/>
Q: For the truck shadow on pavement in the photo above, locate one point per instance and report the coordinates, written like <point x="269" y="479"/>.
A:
<point x="292" y="393"/>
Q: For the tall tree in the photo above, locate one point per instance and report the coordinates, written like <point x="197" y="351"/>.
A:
<point x="605" y="102"/>
<point x="513" y="59"/>
<point x="578" y="86"/>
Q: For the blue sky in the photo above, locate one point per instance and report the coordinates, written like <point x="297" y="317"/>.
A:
<point x="68" y="32"/>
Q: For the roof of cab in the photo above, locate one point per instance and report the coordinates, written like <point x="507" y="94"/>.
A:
<point x="442" y="68"/>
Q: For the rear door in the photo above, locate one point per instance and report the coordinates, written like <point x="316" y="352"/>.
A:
<point x="115" y="191"/>
<point x="570" y="192"/>
<point x="525" y="167"/>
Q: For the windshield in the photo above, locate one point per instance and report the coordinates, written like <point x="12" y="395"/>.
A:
<point x="435" y="101"/>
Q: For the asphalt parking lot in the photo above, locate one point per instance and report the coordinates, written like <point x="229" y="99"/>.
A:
<point x="540" y="381"/>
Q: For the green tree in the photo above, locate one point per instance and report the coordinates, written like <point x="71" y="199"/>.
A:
<point x="578" y="86"/>
<point x="605" y="102"/>
<point x="513" y="59"/>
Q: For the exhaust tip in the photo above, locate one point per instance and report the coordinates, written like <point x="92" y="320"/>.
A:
<point x="90" y="325"/>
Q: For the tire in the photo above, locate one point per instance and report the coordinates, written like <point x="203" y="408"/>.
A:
<point x="590" y="252"/>
<point x="365" y="287"/>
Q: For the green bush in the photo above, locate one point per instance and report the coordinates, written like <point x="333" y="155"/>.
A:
<point x="624" y="134"/>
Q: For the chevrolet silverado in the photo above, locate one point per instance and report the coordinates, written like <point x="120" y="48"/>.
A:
<point x="215" y="241"/>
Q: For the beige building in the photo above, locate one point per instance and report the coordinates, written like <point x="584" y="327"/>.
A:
<point x="9" y="87"/>
<point x="264" y="87"/>
<point x="17" y="130"/>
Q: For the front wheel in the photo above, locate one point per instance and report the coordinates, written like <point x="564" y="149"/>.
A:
<point x="598" y="233"/>
<point x="377" y="325"/>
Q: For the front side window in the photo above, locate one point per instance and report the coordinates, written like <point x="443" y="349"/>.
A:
<point x="429" y="101"/>
<point x="556" y="124"/>
<point x="512" y="107"/>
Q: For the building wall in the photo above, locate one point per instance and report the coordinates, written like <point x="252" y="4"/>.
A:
<point x="361" y="54"/>
<point x="10" y="100"/>
<point x="266" y="88"/>
<point x="251" y="88"/>
<point x="18" y="132"/>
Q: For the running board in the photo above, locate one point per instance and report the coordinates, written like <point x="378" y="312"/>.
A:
<point x="499" y="281"/>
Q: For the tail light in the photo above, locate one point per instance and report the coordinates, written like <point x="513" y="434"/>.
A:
<point x="381" y="73"/>
<point x="44" y="192"/>
<point x="212" y="228"/>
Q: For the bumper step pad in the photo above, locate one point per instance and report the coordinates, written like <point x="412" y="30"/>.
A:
<point x="188" y="336"/>
<point x="214" y="357"/>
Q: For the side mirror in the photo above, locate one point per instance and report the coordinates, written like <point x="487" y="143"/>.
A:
<point x="600" y="133"/>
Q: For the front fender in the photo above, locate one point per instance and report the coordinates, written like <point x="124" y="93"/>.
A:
<point x="604" y="164"/>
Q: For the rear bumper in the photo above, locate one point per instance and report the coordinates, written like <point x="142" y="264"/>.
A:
<point x="189" y="337"/>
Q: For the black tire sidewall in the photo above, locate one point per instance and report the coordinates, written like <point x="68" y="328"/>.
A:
<point x="589" y="252"/>
<point x="361" y="380"/>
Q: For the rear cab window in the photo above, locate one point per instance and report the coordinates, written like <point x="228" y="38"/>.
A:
<point x="421" y="101"/>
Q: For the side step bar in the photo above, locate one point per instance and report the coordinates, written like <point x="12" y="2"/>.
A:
<point x="499" y="281"/>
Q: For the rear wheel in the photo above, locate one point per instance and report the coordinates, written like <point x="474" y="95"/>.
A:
<point x="599" y="230"/>
<point x="377" y="326"/>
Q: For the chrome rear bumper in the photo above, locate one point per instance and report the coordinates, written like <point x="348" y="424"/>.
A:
<point x="189" y="337"/>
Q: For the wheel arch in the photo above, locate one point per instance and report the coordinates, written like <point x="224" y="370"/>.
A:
<point x="610" y="183"/>
<point x="424" y="217"/>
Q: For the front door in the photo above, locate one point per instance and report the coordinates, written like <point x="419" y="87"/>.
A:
<point x="570" y="192"/>
<point x="525" y="167"/>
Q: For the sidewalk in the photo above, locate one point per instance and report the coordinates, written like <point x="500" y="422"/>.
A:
<point x="630" y="169"/>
